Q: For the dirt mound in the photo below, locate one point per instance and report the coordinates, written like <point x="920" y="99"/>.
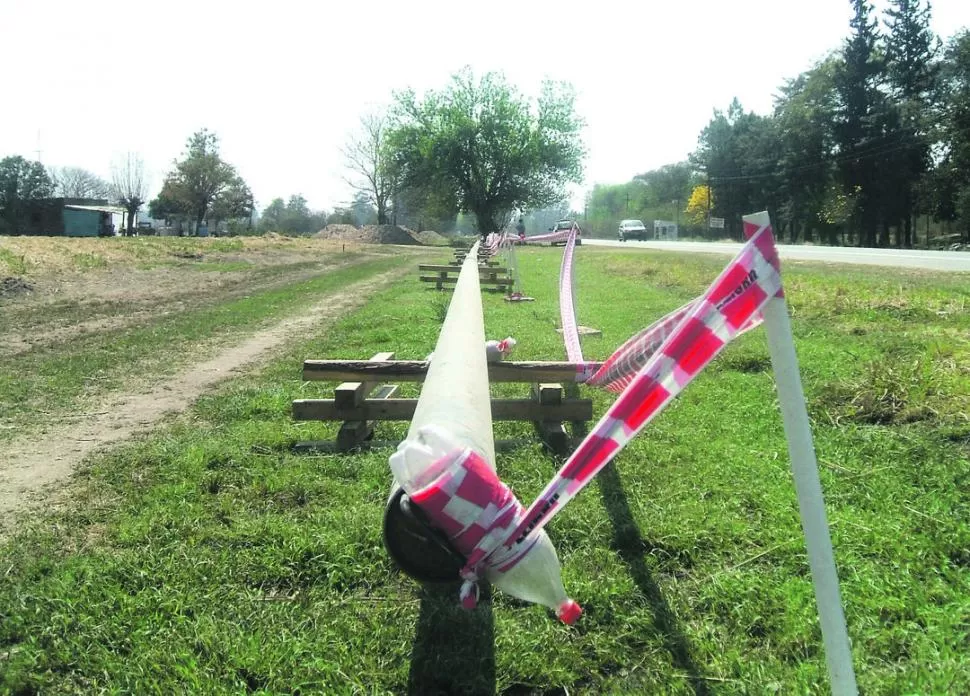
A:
<point x="430" y="238"/>
<point x="370" y="234"/>
<point x="11" y="286"/>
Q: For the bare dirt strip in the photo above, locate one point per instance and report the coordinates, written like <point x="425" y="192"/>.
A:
<point x="31" y="467"/>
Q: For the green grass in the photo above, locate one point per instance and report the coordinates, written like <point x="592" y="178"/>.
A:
<point x="210" y="558"/>
<point x="86" y="262"/>
<point x="51" y="380"/>
<point x="17" y="265"/>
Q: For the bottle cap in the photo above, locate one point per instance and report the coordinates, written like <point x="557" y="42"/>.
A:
<point x="568" y="612"/>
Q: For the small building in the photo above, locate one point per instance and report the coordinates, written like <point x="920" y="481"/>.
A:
<point x="664" y="230"/>
<point x="68" y="217"/>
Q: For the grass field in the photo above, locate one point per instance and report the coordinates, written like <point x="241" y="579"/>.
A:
<point x="209" y="558"/>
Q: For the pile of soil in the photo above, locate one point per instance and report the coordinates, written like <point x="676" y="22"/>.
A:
<point x="370" y="234"/>
<point x="430" y="238"/>
<point x="11" y="286"/>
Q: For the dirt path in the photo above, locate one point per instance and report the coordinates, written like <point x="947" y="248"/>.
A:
<point x="29" y="466"/>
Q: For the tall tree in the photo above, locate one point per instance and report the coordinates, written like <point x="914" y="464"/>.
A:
<point x="857" y="128"/>
<point x="804" y="112"/>
<point x="367" y="157"/>
<point x="235" y="202"/>
<point x="130" y="186"/>
<point x="488" y="146"/>
<point x="912" y="69"/>
<point x="272" y="218"/>
<point x="75" y="182"/>
<point x="20" y="181"/>
<point x="739" y="152"/>
<point x="199" y="178"/>
<point x="952" y="176"/>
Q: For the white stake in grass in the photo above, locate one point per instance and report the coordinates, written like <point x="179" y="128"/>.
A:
<point x="808" y="488"/>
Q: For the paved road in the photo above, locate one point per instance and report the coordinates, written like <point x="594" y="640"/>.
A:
<point x="901" y="258"/>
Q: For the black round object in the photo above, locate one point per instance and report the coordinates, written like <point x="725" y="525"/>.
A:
<point x="421" y="551"/>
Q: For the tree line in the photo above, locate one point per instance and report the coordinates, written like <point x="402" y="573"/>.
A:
<point x="856" y="148"/>
<point x="23" y="181"/>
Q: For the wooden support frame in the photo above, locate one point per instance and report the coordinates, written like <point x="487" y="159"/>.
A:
<point x="415" y="370"/>
<point x="359" y="406"/>
<point x="350" y="395"/>
<point x="552" y="432"/>
<point x="446" y="275"/>
<point x="443" y="282"/>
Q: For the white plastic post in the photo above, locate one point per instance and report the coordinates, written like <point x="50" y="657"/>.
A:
<point x="455" y="395"/>
<point x="808" y="487"/>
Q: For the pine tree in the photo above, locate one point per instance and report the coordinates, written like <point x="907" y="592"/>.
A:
<point x="911" y="68"/>
<point x="857" y="129"/>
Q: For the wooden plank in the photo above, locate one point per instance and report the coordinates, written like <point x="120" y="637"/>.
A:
<point x="553" y="436"/>
<point x="415" y="370"/>
<point x="444" y="278"/>
<point x="437" y="267"/>
<point x="350" y="395"/>
<point x="353" y="433"/>
<point x="403" y="409"/>
<point x="579" y="428"/>
<point x="481" y="262"/>
<point x="550" y="431"/>
<point x="549" y="393"/>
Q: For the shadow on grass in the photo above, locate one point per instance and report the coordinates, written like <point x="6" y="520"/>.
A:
<point x="454" y="649"/>
<point x="631" y="546"/>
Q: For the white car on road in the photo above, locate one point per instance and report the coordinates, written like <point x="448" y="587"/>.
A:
<point x="631" y="229"/>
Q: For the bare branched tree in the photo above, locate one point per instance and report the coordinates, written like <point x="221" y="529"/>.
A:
<point x="75" y="182"/>
<point x="365" y="155"/>
<point x="130" y="186"/>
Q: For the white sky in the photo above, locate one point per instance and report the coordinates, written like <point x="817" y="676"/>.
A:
<point x="283" y="83"/>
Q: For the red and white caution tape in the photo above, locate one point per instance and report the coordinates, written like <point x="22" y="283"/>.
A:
<point x="728" y="307"/>
<point x="567" y="306"/>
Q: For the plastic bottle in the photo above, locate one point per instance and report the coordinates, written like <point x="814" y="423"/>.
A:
<point x="496" y="351"/>
<point x="537" y="578"/>
<point x="431" y="468"/>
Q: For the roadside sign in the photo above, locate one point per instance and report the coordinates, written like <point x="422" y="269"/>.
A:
<point x="717" y="223"/>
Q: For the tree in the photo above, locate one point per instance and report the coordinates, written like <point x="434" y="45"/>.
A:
<point x="198" y="179"/>
<point x="804" y="112"/>
<point x="699" y="206"/>
<point x="482" y="144"/>
<point x="912" y="68"/>
<point x="292" y="217"/>
<point x="739" y="152"/>
<point x="130" y="186"/>
<point x="75" y="182"/>
<point x="366" y="155"/>
<point x="170" y="204"/>
<point x="235" y="202"/>
<point x="364" y="212"/>
<point x="857" y="127"/>
<point x="272" y="218"/>
<point x="20" y="181"/>
<point x="672" y="182"/>
<point x="952" y="175"/>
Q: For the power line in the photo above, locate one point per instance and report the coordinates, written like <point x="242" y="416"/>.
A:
<point x="864" y="154"/>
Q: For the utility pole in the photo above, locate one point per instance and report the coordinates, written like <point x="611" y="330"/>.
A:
<point x="708" y="198"/>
